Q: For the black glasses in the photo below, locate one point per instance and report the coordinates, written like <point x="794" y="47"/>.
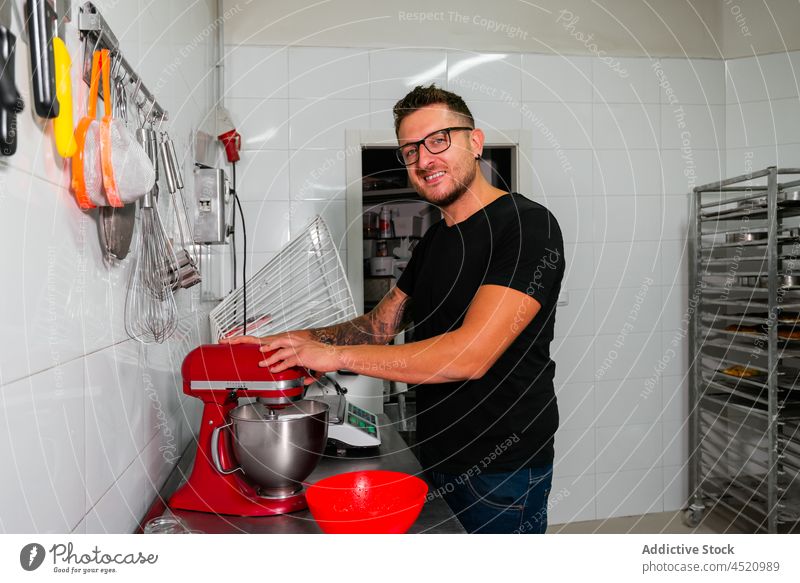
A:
<point x="435" y="142"/>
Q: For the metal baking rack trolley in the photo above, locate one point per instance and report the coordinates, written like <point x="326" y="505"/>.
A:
<point x="744" y="348"/>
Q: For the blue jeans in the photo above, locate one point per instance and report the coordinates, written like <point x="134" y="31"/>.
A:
<point x="513" y="502"/>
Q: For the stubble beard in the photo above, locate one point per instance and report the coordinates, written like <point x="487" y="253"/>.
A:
<point x="460" y="188"/>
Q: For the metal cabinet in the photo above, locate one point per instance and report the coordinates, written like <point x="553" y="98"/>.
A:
<point x="744" y="348"/>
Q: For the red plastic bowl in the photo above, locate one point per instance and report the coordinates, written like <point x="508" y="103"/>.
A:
<point x="367" y="502"/>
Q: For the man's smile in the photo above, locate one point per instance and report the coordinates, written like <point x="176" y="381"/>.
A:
<point x="434" y="177"/>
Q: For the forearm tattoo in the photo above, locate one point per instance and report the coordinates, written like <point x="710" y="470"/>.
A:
<point x="355" y="331"/>
<point x="377" y="327"/>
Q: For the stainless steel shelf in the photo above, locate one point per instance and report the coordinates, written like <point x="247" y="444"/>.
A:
<point x="748" y="244"/>
<point x="755" y="418"/>
<point x="738" y="391"/>
<point x="740" y="288"/>
<point x="784" y="211"/>
<point x="717" y="501"/>
<point x="709" y="258"/>
<point x="731" y="457"/>
<point x="785" y="353"/>
<point x="748" y="304"/>
<point x="748" y="491"/>
<point x="726" y="245"/>
<point x="718" y="274"/>
<point x="709" y="289"/>
<point x="738" y="319"/>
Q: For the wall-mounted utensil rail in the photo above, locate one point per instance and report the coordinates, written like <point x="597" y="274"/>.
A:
<point x="98" y="34"/>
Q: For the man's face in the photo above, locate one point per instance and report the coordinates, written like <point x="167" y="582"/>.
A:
<point x="442" y="178"/>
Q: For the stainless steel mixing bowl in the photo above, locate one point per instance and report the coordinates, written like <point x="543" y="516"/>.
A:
<point x="278" y="448"/>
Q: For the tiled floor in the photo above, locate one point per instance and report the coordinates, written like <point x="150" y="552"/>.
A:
<point x="658" y="523"/>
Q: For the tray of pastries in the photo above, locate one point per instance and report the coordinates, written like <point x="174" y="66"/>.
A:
<point x="788" y="334"/>
<point x="744" y="329"/>
<point x="741" y="372"/>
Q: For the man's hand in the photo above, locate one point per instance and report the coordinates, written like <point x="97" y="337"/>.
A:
<point x="293" y="348"/>
<point x="264" y="339"/>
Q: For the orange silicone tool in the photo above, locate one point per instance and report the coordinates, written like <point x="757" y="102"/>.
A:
<point x="109" y="184"/>
<point x="78" y="183"/>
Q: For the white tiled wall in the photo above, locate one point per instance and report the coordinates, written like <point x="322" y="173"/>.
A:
<point x="609" y="160"/>
<point x="92" y="421"/>
<point x="762" y="112"/>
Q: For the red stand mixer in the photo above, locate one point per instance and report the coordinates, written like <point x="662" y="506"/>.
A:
<point x="277" y="439"/>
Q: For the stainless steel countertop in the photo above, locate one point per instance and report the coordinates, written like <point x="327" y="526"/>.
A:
<point x="393" y="454"/>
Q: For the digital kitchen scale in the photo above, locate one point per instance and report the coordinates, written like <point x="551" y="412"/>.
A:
<point x="349" y="426"/>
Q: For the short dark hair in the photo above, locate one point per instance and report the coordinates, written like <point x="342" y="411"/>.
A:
<point x="420" y="97"/>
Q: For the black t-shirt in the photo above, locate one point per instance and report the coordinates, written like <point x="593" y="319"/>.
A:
<point x="505" y="420"/>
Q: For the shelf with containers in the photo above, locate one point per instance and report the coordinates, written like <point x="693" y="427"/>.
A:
<point x="744" y="349"/>
<point x="385" y="186"/>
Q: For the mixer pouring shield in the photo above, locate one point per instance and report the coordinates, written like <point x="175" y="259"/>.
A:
<point x="303" y="286"/>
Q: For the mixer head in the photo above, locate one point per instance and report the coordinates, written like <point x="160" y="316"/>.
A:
<point x="212" y="372"/>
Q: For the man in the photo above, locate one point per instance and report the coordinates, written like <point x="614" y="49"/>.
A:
<point x="481" y="289"/>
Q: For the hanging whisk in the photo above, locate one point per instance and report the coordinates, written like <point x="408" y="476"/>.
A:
<point x="151" y="314"/>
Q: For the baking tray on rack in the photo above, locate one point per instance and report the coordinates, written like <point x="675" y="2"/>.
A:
<point x="789" y="197"/>
<point x="740" y="208"/>
<point x="784" y="316"/>
<point x="791" y="335"/>
<point x="749" y="331"/>
<point x="743" y="373"/>
<point x="789" y="318"/>
<point x="754" y="206"/>
<point x="755" y="389"/>
<point x="747" y="241"/>
<point x="785" y="281"/>
<point x="785" y="336"/>
<point x="753" y="400"/>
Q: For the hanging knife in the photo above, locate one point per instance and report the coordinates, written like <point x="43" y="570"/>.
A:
<point x="10" y="101"/>
<point x="40" y="17"/>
